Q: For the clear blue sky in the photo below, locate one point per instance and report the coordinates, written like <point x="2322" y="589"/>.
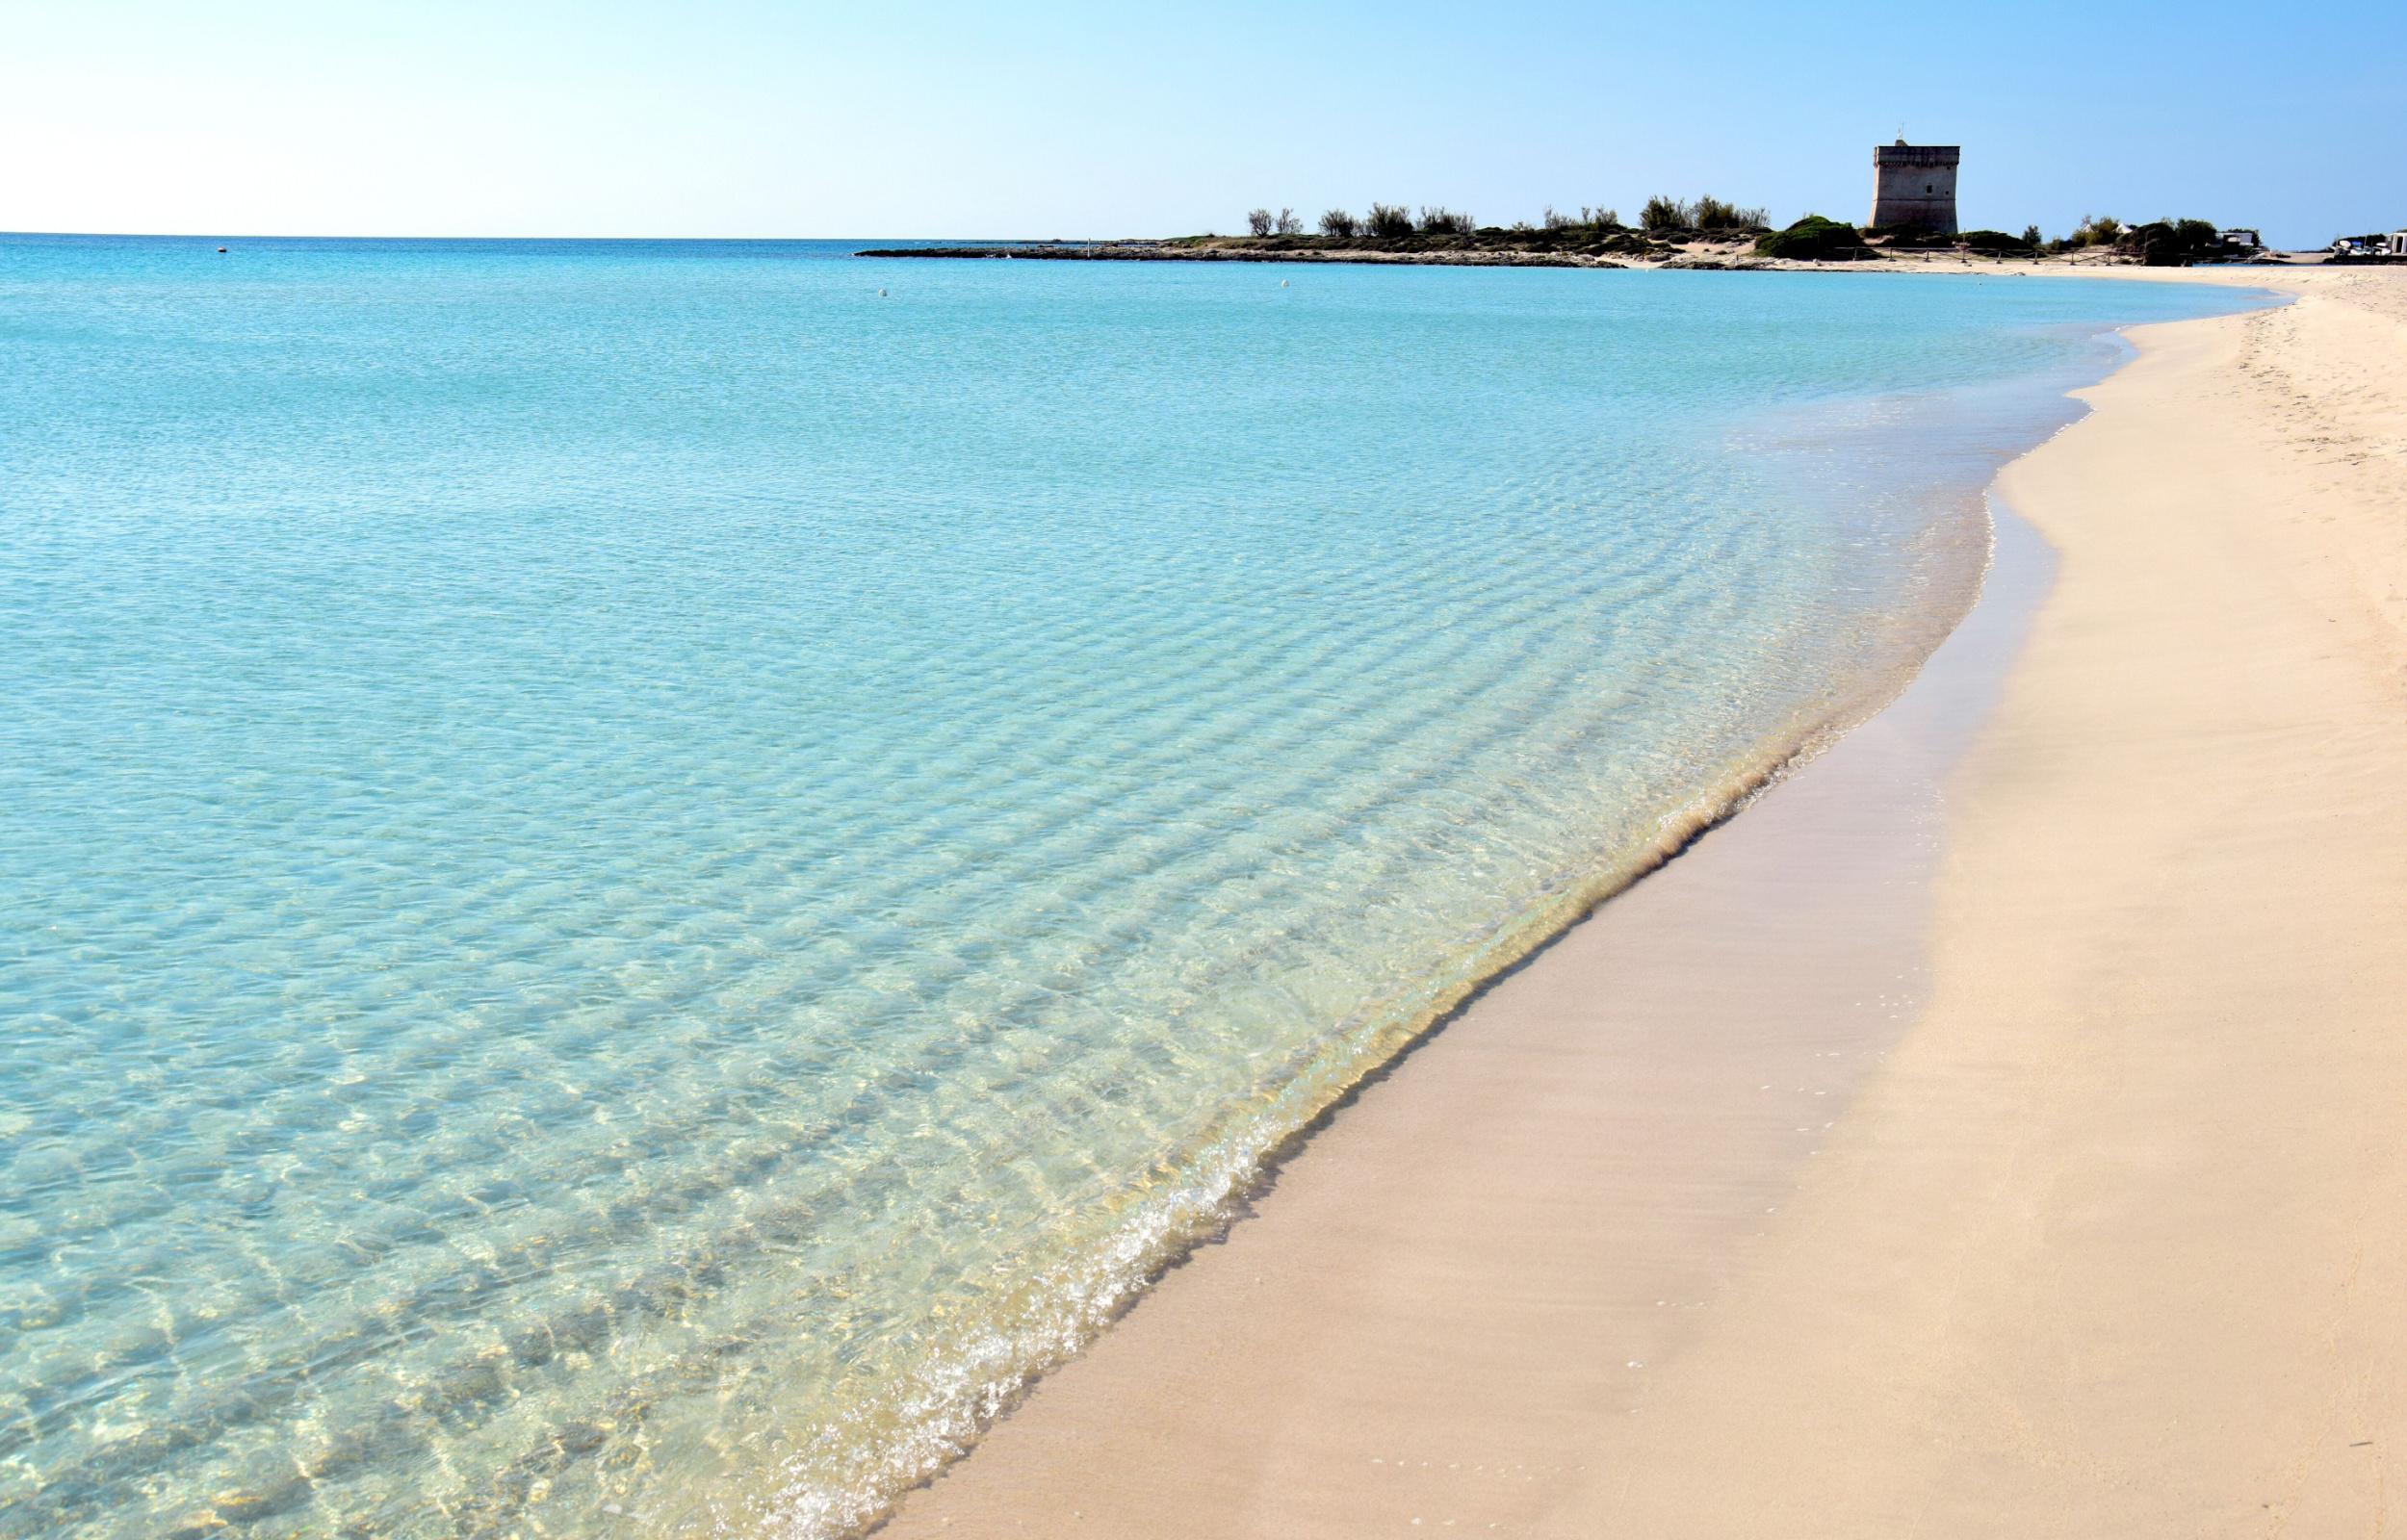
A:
<point x="741" y="118"/>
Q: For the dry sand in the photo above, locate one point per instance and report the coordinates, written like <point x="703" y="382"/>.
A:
<point x="2004" y="1142"/>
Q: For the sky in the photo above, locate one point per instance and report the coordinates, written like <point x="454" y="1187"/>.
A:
<point x="937" y="117"/>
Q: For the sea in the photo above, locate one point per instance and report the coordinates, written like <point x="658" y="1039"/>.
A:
<point x="638" y="877"/>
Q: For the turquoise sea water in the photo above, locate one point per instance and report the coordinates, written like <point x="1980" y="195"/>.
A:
<point x="633" y="878"/>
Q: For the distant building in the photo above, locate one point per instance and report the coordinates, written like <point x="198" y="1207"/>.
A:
<point x="1914" y="187"/>
<point x="2399" y="244"/>
<point x="2243" y="240"/>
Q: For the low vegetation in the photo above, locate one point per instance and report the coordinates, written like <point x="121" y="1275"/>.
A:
<point x="2166" y="242"/>
<point x="1666" y="223"/>
<point x="1814" y="239"/>
<point x="1997" y="243"/>
<point x="2172" y="242"/>
<point x="1596" y="230"/>
<point x="1713" y="214"/>
<point x="2094" y="230"/>
<point x="1706" y="215"/>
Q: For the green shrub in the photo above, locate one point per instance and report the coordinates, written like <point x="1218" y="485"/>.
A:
<point x="1997" y="242"/>
<point x="2095" y="230"/>
<point x="1706" y="213"/>
<point x="1664" y="213"/>
<point x="1389" y="220"/>
<point x="1710" y="213"/>
<point x="1813" y="238"/>
<point x="2172" y="243"/>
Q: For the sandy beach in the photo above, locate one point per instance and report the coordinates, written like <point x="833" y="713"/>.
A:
<point x="2001" y="1128"/>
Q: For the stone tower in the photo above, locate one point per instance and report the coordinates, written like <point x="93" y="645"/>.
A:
<point x="1914" y="186"/>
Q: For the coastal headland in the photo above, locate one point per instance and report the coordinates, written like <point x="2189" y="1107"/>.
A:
<point x="1994" y="1131"/>
<point x="1738" y="241"/>
<point x="1736" y="254"/>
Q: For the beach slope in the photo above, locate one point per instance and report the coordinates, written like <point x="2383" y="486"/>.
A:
<point x="2118" y="1242"/>
<point x="1677" y="1232"/>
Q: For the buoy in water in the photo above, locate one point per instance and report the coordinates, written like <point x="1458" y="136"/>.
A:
<point x="222" y="251"/>
<point x="881" y="293"/>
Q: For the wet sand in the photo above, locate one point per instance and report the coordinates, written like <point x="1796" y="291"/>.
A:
<point x="2001" y="1128"/>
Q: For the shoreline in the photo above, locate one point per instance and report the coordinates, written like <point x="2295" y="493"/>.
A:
<point x="1134" y="1401"/>
<point x="1502" y="952"/>
<point x="1739" y="888"/>
<point x="1698" y="254"/>
<point x="2117" y="1242"/>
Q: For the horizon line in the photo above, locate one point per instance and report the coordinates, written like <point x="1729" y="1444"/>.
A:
<point x="274" y="235"/>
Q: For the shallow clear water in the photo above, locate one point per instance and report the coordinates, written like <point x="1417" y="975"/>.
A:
<point x="635" y="878"/>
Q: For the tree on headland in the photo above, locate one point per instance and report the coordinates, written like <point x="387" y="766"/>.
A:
<point x="2032" y="237"/>
<point x="1710" y="213"/>
<point x="2170" y="242"/>
<point x="1598" y="230"/>
<point x="1707" y="213"/>
<point x="2094" y="230"/>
